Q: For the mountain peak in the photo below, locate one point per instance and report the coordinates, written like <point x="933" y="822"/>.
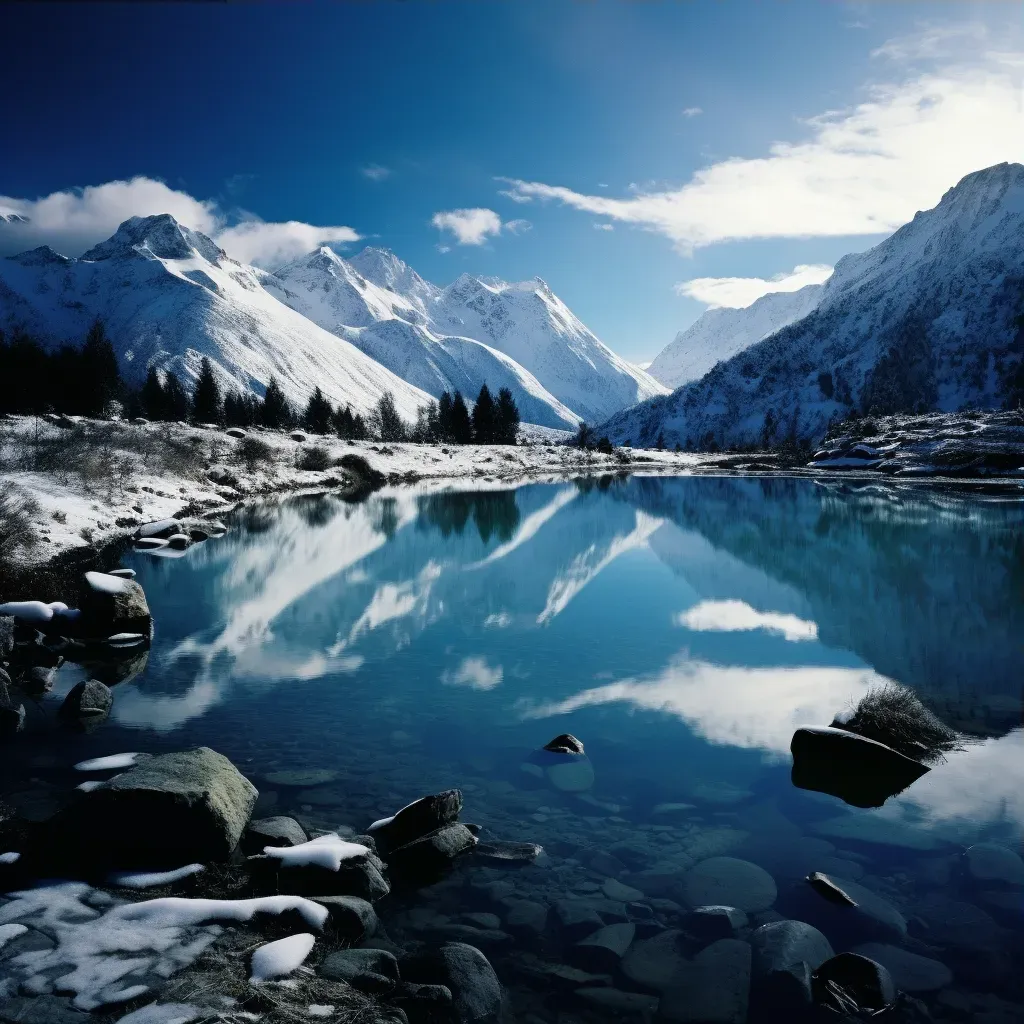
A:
<point x="39" y="257"/>
<point x="161" y="235"/>
<point x="384" y="269"/>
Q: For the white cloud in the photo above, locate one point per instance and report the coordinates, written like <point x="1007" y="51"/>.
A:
<point x="470" y="227"/>
<point x="73" y="220"/>
<point x="742" y="291"/>
<point x="732" y="704"/>
<point x="518" y="226"/>
<point x="737" y="616"/>
<point x="692" y="112"/>
<point x="271" y="244"/>
<point x="474" y="673"/>
<point x="604" y="227"/>
<point x="859" y="171"/>
<point x="376" y="172"/>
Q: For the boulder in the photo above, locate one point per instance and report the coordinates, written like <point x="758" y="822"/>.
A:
<point x="179" y="541"/>
<point x="710" y="923"/>
<point x="416" y="820"/>
<point x="602" y="951"/>
<point x="526" y="917"/>
<point x="616" y="890"/>
<point x="87" y="703"/>
<point x="38" y="680"/>
<point x="350" y="917"/>
<point x="167" y="810"/>
<point x="566" y="743"/>
<point x="853" y="984"/>
<point x="369" y="970"/>
<point x="112" y="604"/>
<point x="425" y="859"/>
<point x="713" y="989"/>
<point x="361" y="876"/>
<point x="910" y="972"/>
<point x="423" y="1004"/>
<point x="653" y="964"/>
<point x="279" y="831"/>
<point x="161" y="528"/>
<point x="235" y="432"/>
<point x="780" y="943"/>
<point x="466" y="973"/>
<point x="858" y="770"/>
<point x="993" y="866"/>
<point x="577" y="918"/>
<point x="783" y="994"/>
<point x="12" y="714"/>
<point x="866" y="915"/>
<point x="729" y="881"/>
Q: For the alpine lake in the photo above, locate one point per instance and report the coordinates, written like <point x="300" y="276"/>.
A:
<point x="351" y="656"/>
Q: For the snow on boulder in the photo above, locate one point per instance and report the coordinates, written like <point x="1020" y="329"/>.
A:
<point x="191" y="805"/>
<point x="34" y="612"/>
<point x="279" y="959"/>
<point x="417" y="819"/>
<point x="112" y="604"/>
<point x="150" y="543"/>
<point x="161" y="528"/>
<point x="326" y="865"/>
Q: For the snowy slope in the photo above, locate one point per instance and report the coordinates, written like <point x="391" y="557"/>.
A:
<point x="528" y="322"/>
<point x="924" y="320"/>
<point x="169" y="296"/>
<point x="389" y="316"/>
<point x="720" y="333"/>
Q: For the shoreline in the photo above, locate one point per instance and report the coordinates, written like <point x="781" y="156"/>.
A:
<point x="82" y="519"/>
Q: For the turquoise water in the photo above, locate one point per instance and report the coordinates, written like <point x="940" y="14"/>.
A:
<point x="681" y="628"/>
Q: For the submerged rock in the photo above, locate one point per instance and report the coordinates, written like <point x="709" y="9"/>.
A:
<point x="853" y="984"/>
<point x="730" y="881"/>
<point x="910" y="971"/>
<point x="566" y="743"/>
<point x="781" y="943"/>
<point x="166" y="810"/>
<point x="509" y="855"/>
<point x="424" y="859"/>
<point x="602" y="950"/>
<point x="713" y="989"/>
<point x="654" y="963"/>
<point x="466" y="973"/>
<point x="992" y="865"/>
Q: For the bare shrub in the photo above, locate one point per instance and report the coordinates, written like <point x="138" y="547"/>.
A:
<point x="894" y="715"/>
<point x="252" y="453"/>
<point x="17" y="512"/>
<point x="316" y="458"/>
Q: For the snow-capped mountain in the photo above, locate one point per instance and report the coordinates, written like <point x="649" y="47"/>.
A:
<point x="924" y="320"/>
<point x="720" y="333"/>
<point x="520" y="336"/>
<point x="384" y="308"/>
<point x="169" y="296"/>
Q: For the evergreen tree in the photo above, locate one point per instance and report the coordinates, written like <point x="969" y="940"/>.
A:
<point x="343" y="422"/>
<point x="153" y="399"/>
<point x="461" y="424"/>
<point x="360" y="431"/>
<point x="99" y="378"/>
<point x="275" y="412"/>
<point x="319" y="413"/>
<point x="660" y="443"/>
<point x="387" y="424"/>
<point x="584" y="436"/>
<point x="506" y="418"/>
<point x="176" y="405"/>
<point x="242" y="410"/>
<point x="427" y="429"/>
<point x="206" y="403"/>
<point x="445" y="429"/>
<point x="484" y="417"/>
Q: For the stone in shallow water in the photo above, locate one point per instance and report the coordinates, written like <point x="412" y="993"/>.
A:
<point x="615" y="890"/>
<point x="872" y="916"/>
<point x="578" y="918"/>
<point x="852" y="976"/>
<point x="712" y="923"/>
<point x="278" y="831"/>
<point x="713" y="989"/>
<point x="574" y="775"/>
<point x="911" y="972"/>
<point x="875" y="831"/>
<point x="958" y="925"/>
<point x="994" y="865"/>
<point x="526" y="917"/>
<point x="369" y="970"/>
<point x="731" y="882"/>
<point x="653" y="963"/>
<point x="466" y="972"/>
<point x="603" y="950"/>
<point x="781" y="943"/>
<point x="415" y="820"/>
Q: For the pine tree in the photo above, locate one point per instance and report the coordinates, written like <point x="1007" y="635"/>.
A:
<point x="153" y="398"/>
<point x="427" y="429"/>
<point x="484" y="417"/>
<point x="387" y="424"/>
<point x="319" y="413"/>
<point x="445" y="429"/>
<point x="584" y="436"/>
<point x="100" y="379"/>
<point x="274" y="412"/>
<point x="176" y="405"/>
<point x="506" y="418"/>
<point x="461" y="424"/>
<point x="206" y="403"/>
<point x="660" y="443"/>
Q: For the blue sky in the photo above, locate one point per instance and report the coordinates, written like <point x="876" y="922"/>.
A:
<point x="641" y="157"/>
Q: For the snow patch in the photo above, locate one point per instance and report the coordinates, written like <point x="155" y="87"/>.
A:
<point x="152" y="879"/>
<point x="328" y="851"/>
<point x="279" y="959"/>
<point x="102" y="764"/>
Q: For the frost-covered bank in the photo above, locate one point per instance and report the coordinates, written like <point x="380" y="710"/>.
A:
<point x="84" y="483"/>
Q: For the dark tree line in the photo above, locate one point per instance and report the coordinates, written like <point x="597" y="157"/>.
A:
<point x="86" y="381"/>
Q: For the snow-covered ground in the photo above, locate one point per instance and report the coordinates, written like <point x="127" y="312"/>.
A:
<point x="94" y="481"/>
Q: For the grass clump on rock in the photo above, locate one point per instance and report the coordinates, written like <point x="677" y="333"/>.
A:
<point x="895" y="716"/>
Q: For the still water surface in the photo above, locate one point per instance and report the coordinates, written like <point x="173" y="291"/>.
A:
<point x="682" y="628"/>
